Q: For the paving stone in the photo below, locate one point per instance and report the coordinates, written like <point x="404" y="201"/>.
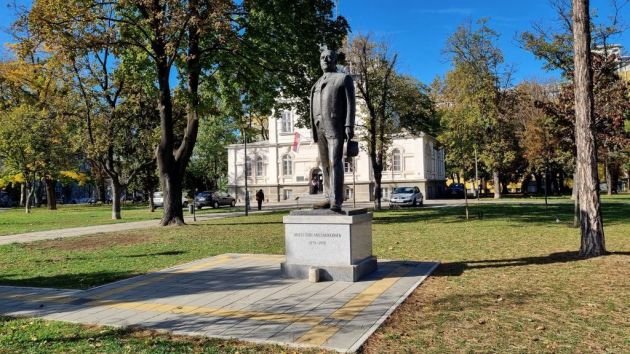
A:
<point x="225" y="297"/>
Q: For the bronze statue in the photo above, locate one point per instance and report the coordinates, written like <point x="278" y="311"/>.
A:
<point x="332" y="122"/>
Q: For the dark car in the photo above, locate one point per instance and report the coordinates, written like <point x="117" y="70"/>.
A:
<point x="5" y="200"/>
<point x="455" y="190"/>
<point x="214" y="199"/>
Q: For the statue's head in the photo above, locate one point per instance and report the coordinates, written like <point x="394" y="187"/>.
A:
<point x="328" y="60"/>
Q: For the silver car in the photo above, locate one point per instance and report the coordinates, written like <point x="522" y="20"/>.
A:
<point x="158" y="200"/>
<point x="406" y="196"/>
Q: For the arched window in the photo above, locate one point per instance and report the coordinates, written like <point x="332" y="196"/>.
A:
<point x="260" y="166"/>
<point x="248" y="168"/>
<point x="286" y="122"/>
<point x="396" y="160"/>
<point x="287" y="165"/>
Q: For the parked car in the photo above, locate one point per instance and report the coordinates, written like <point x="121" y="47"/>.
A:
<point x="455" y="190"/>
<point x="5" y="200"/>
<point x="406" y="196"/>
<point x="214" y="199"/>
<point x="158" y="200"/>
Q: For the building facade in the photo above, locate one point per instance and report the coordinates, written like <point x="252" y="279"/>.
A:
<point x="286" y="167"/>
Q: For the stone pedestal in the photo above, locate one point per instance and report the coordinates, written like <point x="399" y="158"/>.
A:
<point x="340" y="245"/>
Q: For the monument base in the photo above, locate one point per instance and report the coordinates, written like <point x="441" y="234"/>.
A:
<point x="338" y="244"/>
<point x="350" y="273"/>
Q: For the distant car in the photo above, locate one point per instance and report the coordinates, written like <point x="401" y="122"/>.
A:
<point x="214" y="199"/>
<point x="158" y="200"/>
<point x="455" y="190"/>
<point x="5" y="200"/>
<point x="406" y="196"/>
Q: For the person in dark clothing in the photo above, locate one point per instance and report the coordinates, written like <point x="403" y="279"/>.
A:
<point x="260" y="196"/>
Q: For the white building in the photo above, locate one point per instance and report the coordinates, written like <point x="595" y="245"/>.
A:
<point x="284" y="174"/>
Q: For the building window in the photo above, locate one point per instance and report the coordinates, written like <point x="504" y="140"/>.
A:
<point x="248" y="167"/>
<point x="347" y="166"/>
<point x="349" y="192"/>
<point x="260" y="167"/>
<point x="286" y="122"/>
<point x="385" y="193"/>
<point x="287" y="194"/>
<point x="287" y="165"/>
<point x="396" y="161"/>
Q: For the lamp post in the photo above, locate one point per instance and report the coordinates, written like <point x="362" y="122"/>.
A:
<point x="249" y="125"/>
<point x="354" y="182"/>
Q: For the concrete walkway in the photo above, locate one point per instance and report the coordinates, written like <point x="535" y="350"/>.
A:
<point x="89" y="230"/>
<point x="235" y="296"/>
<point x="134" y="225"/>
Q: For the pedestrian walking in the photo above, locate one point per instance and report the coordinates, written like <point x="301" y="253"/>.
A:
<point x="260" y="196"/>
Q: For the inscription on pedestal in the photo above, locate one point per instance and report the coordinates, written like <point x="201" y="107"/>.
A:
<point x="340" y="245"/>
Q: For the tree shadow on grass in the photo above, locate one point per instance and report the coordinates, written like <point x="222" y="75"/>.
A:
<point x="165" y="253"/>
<point x="454" y="269"/>
<point x="67" y="281"/>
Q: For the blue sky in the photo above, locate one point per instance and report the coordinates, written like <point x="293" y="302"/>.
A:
<point x="418" y="29"/>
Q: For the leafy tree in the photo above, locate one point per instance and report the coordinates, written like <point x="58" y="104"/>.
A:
<point x="35" y="125"/>
<point x="478" y="104"/>
<point x="199" y="37"/>
<point x="388" y="100"/>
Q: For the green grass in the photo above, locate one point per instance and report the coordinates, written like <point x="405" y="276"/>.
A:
<point x="15" y="220"/>
<point x="37" y="336"/>
<point x="510" y="280"/>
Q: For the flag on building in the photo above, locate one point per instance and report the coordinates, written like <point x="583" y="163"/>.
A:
<point x="296" y="142"/>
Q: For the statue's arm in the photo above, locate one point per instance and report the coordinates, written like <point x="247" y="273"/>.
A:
<point x="310" y="111"/>
<point x="350" y="106"/>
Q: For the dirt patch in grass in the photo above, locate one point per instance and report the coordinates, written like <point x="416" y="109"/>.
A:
<point x="96" y="242"/>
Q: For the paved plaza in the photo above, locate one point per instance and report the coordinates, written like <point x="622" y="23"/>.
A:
<point x="234" y="296"/>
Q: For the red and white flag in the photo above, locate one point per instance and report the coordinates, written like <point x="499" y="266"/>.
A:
<point x="296" y="142"/>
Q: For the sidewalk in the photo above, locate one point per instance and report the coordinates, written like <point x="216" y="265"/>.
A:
<point x="89" y="230"/>
<point x="202" y="298"/>
<point x="126" y="226"/>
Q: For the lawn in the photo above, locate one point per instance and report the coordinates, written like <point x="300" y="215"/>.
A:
<point x="15" y="220"/>
<point x="510" y="280"/>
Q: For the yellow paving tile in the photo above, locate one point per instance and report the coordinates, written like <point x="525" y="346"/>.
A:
<point x="318" y="335"/>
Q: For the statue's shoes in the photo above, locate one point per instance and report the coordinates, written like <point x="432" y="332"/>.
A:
<point x="322" y="205"/>
<point x="336" y="208"/>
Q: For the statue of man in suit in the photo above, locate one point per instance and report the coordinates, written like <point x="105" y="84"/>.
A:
<point x="332" y="122"/>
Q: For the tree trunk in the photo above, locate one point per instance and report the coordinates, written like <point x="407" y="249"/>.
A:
<point x="23" y="194"/>
<point x="51" y="197"/>
<point x="30" y="190"/>
<point x="116" y="191"/>
<point x="101" y="190"/>
<point x="539" y="183"/>
<point x="591" y="224"/>
<point x="497" y="184"/>
<point x="614" y="178"/>
<point x="35" y="194"/>
<point x="151" y="202"/>
<point x="378" y="192"/>
<point x="465" y="197"/>
<point x="607" y="170"/>
<point x="172" y="194"/>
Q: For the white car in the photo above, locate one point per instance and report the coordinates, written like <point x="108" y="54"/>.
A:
<point x="406" y="196"/>
<point x="158" y="200"/>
